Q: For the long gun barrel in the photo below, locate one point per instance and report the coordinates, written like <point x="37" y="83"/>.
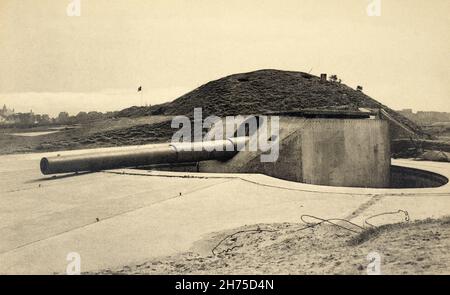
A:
<point x="144" y="155"/>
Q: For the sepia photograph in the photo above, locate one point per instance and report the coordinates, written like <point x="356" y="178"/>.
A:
<point x="224" y="137"/>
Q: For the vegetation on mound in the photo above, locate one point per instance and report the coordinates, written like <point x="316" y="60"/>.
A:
<point x="267" y="91"/>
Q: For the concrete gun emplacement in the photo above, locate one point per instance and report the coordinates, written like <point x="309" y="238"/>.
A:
<point x="336" y="150"/>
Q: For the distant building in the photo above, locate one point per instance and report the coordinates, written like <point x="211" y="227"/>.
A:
<point x="425" y="118"/>
<point x="8" y="116"/>
<point x="5" y="115"/>
<point x="5" y="112"/>
<point x="406" y="111"/>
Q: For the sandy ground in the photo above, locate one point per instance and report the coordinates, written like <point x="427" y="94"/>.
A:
<point x="288" y="248"/>
<point x="130" y="217"/>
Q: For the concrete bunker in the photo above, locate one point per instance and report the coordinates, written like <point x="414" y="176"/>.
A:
<point x="331" y="148"/>
<point x="351" y="151"/>
<point x="325" y="148"/>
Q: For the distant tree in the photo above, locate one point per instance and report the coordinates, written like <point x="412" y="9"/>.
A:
<point x="63" y="118"/>
<point x="359" y="88"/>
<point x="92" y="116"/>
<point x="24" y="119"/>
<point x="110" y="114"/>
<point x="45" y="119"/>
<point x="81" y="117"/>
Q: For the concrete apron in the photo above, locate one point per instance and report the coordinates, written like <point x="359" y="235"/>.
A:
<point x="126" y="216"/>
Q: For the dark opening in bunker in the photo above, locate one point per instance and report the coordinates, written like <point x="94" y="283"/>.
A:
<point x="403" y="177"/>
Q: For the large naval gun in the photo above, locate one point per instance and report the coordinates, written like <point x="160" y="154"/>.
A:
<point x="144" y="156"/>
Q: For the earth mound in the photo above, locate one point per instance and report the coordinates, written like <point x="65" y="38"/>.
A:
<point x="268" y="91"/>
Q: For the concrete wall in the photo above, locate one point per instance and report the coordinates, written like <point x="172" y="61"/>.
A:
<point x="336" y="152"/>
<point x="352" y="153"/>
<point x="249" y="162"/>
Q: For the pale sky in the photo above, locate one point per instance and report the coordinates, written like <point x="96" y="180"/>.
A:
<point x="52" y="62"/>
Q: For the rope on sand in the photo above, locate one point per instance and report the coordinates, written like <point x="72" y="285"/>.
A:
<point x="332" y="221"/>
